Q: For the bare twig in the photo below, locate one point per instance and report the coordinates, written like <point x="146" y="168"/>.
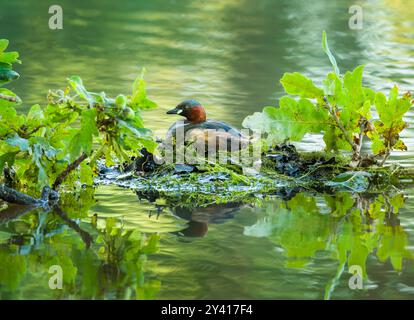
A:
<point x="105" y="122"/>
<point x="28" y="134"/>
<point x="14" y="196"/>
<point x="48" y="199"/>
<point x="72" y="166"/>
<point x="361" y="135"/>
<point x="342" y="128"/>
<point x="360" y="140"/>
<point x="386" y="156"/>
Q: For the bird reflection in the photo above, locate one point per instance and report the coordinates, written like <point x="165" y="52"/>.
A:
<point x="199" y="218"/>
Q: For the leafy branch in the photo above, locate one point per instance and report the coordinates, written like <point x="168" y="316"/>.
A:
<point x="340" y="110"/>
<point x="49" y="145"/>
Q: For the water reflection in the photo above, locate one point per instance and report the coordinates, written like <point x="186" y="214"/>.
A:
<point x="99" y="259"/>
<point x="319" y="236"/>
<point x="199" y="218"/>
<point x="309" y="241"/>
<point x="350" y="227"/>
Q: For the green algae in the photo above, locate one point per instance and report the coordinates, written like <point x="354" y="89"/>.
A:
<point x="284" y="172"/>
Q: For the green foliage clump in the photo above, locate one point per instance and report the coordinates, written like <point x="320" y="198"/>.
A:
<point x="341" y="110"/>
<point x="7" y="74"/>
<point x="70" y="133"/>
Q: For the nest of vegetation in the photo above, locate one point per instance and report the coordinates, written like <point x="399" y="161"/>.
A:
<point x="284" y="171"/>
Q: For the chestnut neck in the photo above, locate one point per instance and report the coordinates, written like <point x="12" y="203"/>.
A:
<point x="196" y="115"/>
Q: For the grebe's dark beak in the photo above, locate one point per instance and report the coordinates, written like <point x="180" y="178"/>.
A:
<point x="175" y="111"/>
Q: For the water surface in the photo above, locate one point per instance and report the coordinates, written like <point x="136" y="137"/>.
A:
<point x="229" y="55"/>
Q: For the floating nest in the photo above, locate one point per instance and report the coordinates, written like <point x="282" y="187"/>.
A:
<point x="284" y="172"/>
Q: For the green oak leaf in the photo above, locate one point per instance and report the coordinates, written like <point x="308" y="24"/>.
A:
<point x="139" y="99"/>
<point x="77" y="84"/>
<point x="83" y="139"/>
<point x="16" y="141"/>
<point x="400" y="145"/>
<point x="297" y="84"/>
<point x="353" y="86"/>
<point x="365" y="110"/>
<point x="290" y="121"/>
<point x="377" y="146"/>
<point x="4" y="43"/>
<point x="391" y="111"/>
<point x="9" y="57"/>
<point x="86" y="174"/>
<point x="335" y="140"/>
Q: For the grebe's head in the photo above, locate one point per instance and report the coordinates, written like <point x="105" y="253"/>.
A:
<point x="190" y="109"/>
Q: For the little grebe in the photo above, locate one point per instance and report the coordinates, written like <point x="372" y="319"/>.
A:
<point x="197" y="128"/>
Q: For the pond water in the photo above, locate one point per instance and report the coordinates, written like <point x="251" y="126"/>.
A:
<point x="229" y="55"/>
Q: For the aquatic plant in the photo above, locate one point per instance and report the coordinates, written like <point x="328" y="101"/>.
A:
<point x="60" y="142"/>
<point x="341" y="109"/>
<point x="7" y="74"/>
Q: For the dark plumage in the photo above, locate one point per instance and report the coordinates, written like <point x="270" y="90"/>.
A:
<point x="196" y="128"/>
<point x="208" y="124"/>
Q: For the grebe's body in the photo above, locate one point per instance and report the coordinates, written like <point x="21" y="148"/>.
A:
<point x="197" y="129"/>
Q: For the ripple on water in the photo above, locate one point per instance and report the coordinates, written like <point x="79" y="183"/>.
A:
<point x="122" y="203"/>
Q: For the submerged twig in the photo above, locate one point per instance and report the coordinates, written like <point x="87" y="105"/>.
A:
<point x="86" y="237"/>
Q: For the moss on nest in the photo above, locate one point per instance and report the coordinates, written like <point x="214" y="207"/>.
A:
<point x="284" y="171"/>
